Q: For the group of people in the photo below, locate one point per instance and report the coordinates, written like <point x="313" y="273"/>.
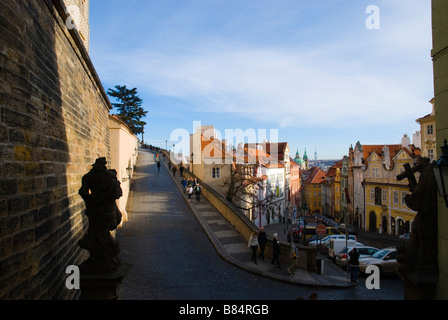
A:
<point x="190" y="187"/>
<point x="259" y="239"/>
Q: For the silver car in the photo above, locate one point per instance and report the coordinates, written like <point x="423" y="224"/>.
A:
<point x="327" y="239"/>
<point x="364" y="252"/>
<point x="384" y="259"/>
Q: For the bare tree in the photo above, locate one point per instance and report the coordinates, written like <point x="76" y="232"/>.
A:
<point x="244" y="189"/>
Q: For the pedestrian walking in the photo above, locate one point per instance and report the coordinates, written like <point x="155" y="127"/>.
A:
<point x="294" y="253"/>
<point x="184" y="184"/>
<point x="354" y="265"/>
<point x="276" y="250"/>
<point x="181" y="169"/>
<point x="189" y="192"/>
<point x="262" y="239"/>
<point x="174" y="171"/>
<point x="197" y="191"/>
<point x="253" y="244"/>
<point x="158" y="166"/>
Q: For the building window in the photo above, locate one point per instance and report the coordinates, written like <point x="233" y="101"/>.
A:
<point x="378" y="194"/>
<point x="430" y="129"/>
<point x="384" y="196"/>
<point x="395" y="197"/>
<point x="431" y="154"/>
<point x="372" y="194"/>
<point x="216" y="173"/>
<point x="403" y="194"/>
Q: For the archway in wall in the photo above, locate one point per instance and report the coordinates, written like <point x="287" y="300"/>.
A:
<point x="401" y="226"/>
<point x="393" y="229"/>
<point x="407" y="226"/>
<point x="372" y="221"/>
<point x="384" y="224"/>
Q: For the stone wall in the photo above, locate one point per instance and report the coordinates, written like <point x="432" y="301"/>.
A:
<point x="54" y="115"/>
<point x="439" y="55"/>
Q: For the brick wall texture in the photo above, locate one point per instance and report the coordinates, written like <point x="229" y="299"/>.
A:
<point x="53" y="125"/>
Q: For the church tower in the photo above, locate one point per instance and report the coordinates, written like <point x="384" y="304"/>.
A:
<point x="78" y="17"/>
<point x="305" y="158"/>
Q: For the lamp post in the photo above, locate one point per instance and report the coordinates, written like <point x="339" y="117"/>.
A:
<point x="440" y="169"/>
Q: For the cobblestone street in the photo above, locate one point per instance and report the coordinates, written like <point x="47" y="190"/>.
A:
<point x="173" y="259"/>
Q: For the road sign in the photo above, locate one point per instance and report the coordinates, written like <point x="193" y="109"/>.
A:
<point x="321" y="230"/>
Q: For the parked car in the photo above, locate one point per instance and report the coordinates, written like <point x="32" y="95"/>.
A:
<point x="385" y="259"/>
<point x="404" y="238"/>
<point x="364" y="252"/>
<point x="336" y="245"/>
<point x="314" y="241"/>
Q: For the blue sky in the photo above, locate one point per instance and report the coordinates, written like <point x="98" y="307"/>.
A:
<point x="310" y="69"/>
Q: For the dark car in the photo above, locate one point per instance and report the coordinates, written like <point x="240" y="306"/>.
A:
<point x="351" y="229"/>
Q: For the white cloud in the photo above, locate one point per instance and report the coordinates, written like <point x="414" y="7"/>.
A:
<point x="372" y="77"/>
<point x="273" y="82"/>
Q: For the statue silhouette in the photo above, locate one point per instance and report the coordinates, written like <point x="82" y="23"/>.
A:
<point x="100" y="188"/>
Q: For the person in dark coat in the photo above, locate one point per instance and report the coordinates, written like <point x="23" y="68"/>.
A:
<point x="276" y="250"/>
<point x="262" y="239"/>
<point x="354" y="265"/>
<point x="197" y="191"/>
<point x="181" y="169"/>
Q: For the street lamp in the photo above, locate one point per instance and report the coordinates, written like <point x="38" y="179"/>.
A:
<point x="440" y="169"/>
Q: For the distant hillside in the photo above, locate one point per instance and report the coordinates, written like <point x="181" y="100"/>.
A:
<point x="322" y="164"/>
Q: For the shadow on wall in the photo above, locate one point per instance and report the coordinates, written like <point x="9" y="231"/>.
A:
<point x="43" y="83"/>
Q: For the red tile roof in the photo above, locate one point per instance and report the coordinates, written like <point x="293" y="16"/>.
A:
<point x="315" y="175"/>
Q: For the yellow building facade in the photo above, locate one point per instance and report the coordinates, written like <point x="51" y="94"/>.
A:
<point x="385" y="209"/>
<point x="312" y="189"/>
<point x="428" y="134"/>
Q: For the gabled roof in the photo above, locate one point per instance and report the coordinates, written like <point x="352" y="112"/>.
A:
<point x="262" y="158"/>
<point x="215" y="148"/>
<point x="393" y="150"/>
<point x="274" y="149"/>
<point x="315" y="175"/>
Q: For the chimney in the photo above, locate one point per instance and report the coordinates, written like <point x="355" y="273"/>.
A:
<point x="405" y="141"/>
